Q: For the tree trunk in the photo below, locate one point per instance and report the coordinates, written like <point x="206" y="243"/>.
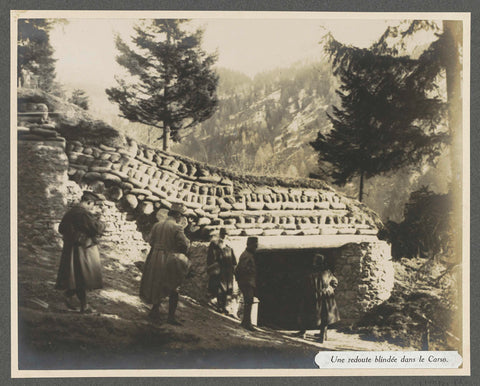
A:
<point x="166" y="125"/>
<point x="166" y="137"/>
<point x="360" y="194"/>
<point x="454" y="41"/>
<point x="453" y="38"/>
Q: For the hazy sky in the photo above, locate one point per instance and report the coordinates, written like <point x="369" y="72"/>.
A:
<point x="86" y="52"/>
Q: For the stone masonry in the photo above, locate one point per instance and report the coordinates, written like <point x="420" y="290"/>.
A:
<point x="365" y="275"/>
<point x="42" y="185"/>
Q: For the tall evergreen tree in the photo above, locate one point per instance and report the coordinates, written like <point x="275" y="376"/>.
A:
<point x="389" y="116"/>
<point x="35" y="53"/>
<point x="171" y="85"/>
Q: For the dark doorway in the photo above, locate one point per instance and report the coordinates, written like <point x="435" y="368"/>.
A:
<point x="279" y="277"/>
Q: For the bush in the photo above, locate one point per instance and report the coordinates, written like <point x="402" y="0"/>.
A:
<point x="425" y="230"/>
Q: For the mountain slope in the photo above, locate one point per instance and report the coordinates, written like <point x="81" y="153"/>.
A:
<point x="264" y="126"/>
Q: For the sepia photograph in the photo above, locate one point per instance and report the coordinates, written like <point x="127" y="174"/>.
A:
<point x="239" y="193"/>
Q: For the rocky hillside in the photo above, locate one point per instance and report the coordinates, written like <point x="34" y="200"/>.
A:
<point x="264" y="126"/>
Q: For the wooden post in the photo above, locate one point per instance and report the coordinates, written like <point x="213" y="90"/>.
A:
<point x="426" y="336"/>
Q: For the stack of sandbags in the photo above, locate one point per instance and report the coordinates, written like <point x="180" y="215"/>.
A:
<point x="39" y="132"/>
<point x="147" y="180"/>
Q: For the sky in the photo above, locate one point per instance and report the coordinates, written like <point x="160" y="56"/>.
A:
<point x="86" y="51"/>
<point x="85" y="48"/>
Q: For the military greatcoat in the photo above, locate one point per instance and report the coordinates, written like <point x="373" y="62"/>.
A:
<point x="80" y="266"/>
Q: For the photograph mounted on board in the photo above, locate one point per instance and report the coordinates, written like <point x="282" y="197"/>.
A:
<point x="238" y="190"/>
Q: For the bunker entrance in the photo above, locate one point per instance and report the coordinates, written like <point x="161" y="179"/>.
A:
<point x="279" y="277"/>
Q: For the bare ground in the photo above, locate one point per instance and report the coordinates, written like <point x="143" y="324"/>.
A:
<point x="119" y="335"/>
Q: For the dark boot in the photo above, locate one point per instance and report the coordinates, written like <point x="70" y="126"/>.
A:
<point x="69" y="294"/>
<point x="154" y="313"/>
<point x="172" y="307"/>
<point x="221" y="301"/>
<point x="300" y="334"/>
<point x="247" y="322"/>
<point x="82" y="296"/>
<point x="323" y="333"/>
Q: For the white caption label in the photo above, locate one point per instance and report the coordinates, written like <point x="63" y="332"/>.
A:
<point x="388" y="359"/>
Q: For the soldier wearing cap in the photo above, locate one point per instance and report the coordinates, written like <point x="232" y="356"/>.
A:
<point x="221" y="264"/>
<point x="166" y="265"/>
<point x="80" y="267"/>
<point x="246" y="275"/>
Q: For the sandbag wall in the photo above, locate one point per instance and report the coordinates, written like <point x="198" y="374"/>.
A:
<point x="146" y="180"/>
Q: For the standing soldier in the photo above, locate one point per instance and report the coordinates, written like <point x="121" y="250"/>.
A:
<point x="166" y="266"/>
<point x="80" y="267"/>
<point x="318" y="305"/>
<point x="220" y="266"/>
<point x="246" y="274"/>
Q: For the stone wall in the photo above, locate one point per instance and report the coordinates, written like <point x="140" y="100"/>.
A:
<point x="196" y="286"/>
<point x="43" y="187"/>
<point x="365" y="275"/>
<point x="121" y="234"/>
<point x="45" y="193"/>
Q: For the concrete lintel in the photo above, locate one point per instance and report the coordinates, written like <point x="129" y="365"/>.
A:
<point x="300" y="242"/>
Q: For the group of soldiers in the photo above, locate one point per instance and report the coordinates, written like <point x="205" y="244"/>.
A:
<point x="222" y="267"/>
<point x="167" y="266"/>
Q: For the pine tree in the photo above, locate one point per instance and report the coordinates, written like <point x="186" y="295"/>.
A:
<point x="80" y="98"/>
<point x="388" y="118"/>
<point x="171" y="84"/>
<point x="35" y="54"/>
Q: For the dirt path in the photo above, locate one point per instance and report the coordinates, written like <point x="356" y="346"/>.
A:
<point x="118" y="334"/>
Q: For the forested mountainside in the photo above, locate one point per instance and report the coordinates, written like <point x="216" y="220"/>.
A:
<point x="264" y="125"/>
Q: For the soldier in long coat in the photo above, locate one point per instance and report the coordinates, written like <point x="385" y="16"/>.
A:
<point x="246" y="275"/>
<point x="318" y="305"/>
<point x="166" y="265"/>
<point x="80" y="267"/>
<point x="220" y="267"/>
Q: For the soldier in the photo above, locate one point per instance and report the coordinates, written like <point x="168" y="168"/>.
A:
<point x="220" y="266"/>
<point x="80" y="267"/>
<point x="318" y="305"/>
<point x="246" y="275"/>
<point x="166" y="266"/>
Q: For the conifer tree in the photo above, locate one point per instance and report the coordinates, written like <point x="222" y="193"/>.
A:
<point x="389" y="117"/>
<point x="171" y="84"/>
<point x="80" y="98"/>
<point x="35" y="53"/>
